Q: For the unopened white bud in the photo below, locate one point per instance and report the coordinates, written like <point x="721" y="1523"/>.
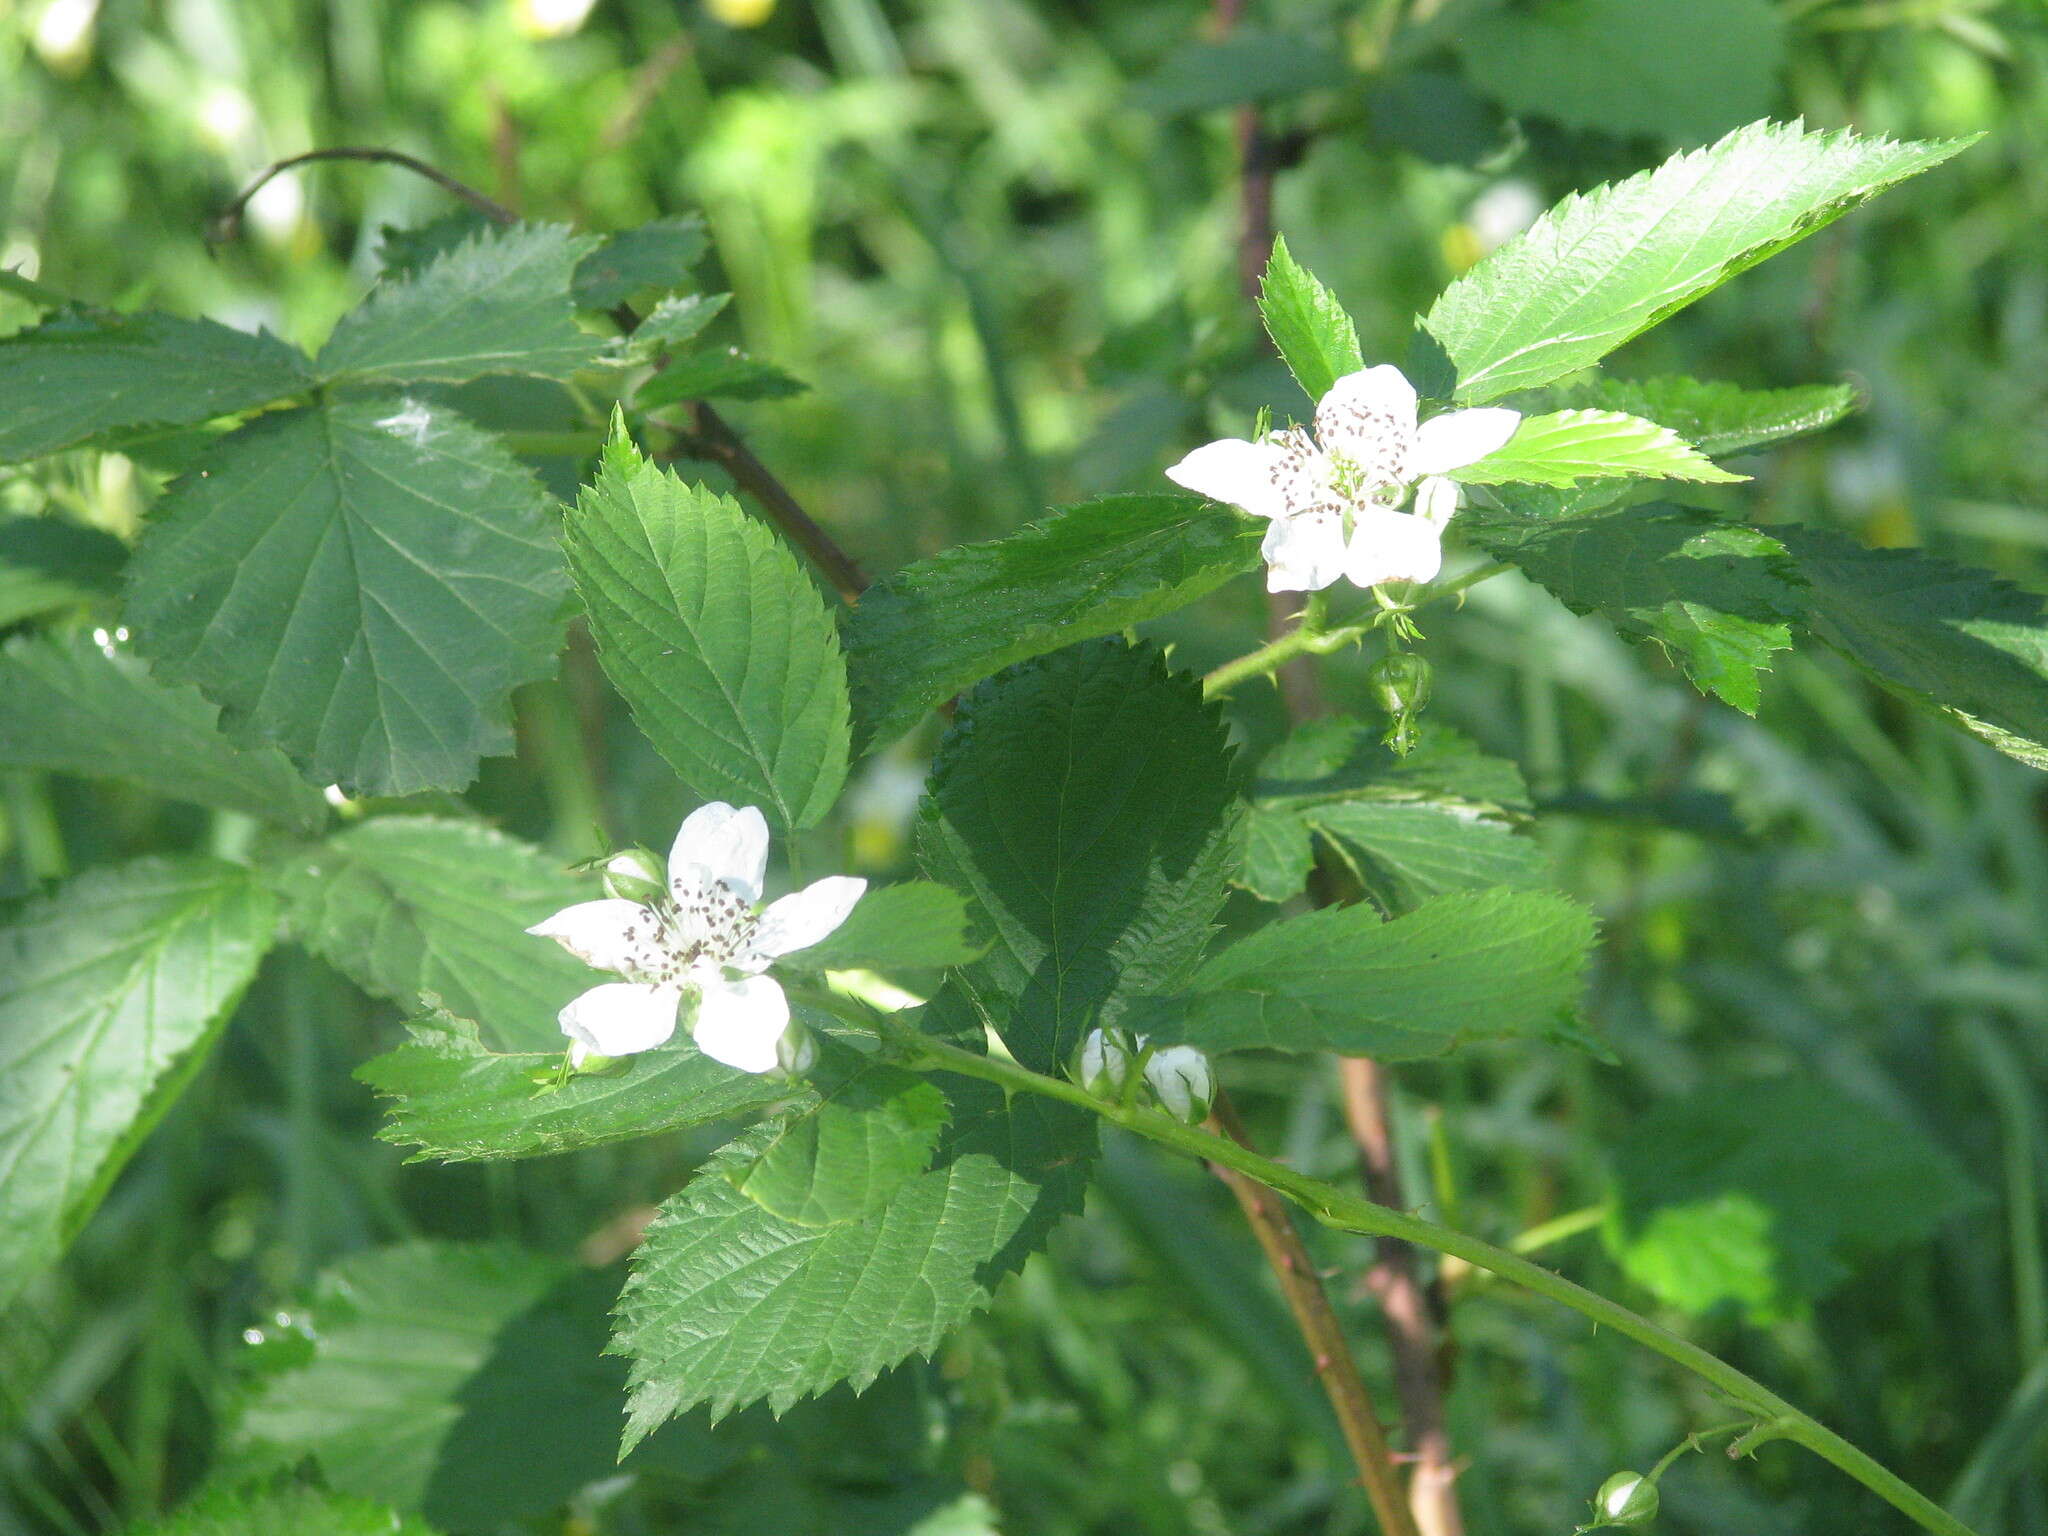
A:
<point x="634" y="874"/>
<point x="1183" y="1082"/>
<point x="1103" y="1063"/>
<point x="797" y="1051"/>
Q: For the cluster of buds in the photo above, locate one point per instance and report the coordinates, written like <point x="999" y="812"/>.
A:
<point x="1114" y="1064"/>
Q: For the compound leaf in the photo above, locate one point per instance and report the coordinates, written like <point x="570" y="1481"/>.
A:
<point x="497" y="302"/>
<point x="873" y="1129"/>
<point x="728" y="1304"/>
<point x="67" y="706"/>
<point x="656" y="257"/>
<point x="1315" y="336"/>
<point x="112" y="988"/>
<point x="1609" y="64"/>
<point x="716" y="638"/>
<point x="49" y="563"/>
<point x="1956" y="641"/>
<point x="1766" y="1195"/>
<point x="283" y="1510"/>
<point x="361" y="584"/>
<point x="412" y="906"/>
<point x="935" y="628"/>
<point x="1086" y="801"/>
<point x="456" y="1100"/>
<point x="1717" y="418"/>
<point x="1607" y="265"/>
<point x="1565" y="447"/>
<point x="1471" y="965"/>
<point x="1719" y="596"/>
<point x="85" y="374"/>
<point x="917" y="924"/>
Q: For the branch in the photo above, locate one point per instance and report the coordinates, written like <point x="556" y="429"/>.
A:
<point x="1414" y="1311"/>
<point x="1345" y="1212"/>
<point x="230" y="221"/>
<point x="1320" y="1330"/>
<point x="715" y="441"/>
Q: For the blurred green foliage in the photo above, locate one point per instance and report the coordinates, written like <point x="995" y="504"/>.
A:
<point x="997" y="239"/>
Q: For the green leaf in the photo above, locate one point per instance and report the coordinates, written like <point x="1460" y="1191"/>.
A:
<point x="1565" y="447"/>
<point x="932" y="629"/>
<point x="674" y="322"/>
<point x="408" y="906"/>
<point x="1245" y="67"/>
<point x="496" y="303"/>
<point x="112" y="989"/>
<point x="1403" y="854"/>
<point x="873" y="1129"/>
<point x="463" y="1382"/>
<point x="282" y="1510"/>
<point x="728" y="1304"/>
<point x="1955" y="641"/>
<point x="716" y="373"/>
<point x="66" y="706"/>
<point x="49" y="563"/>
<point x="1678" y="69"/>
<point x="1766" y="1195"/>
<point x="716" y="638"/>
<point x="1473" y="965"/>
<point x="405" y="251"/>
<point x="82" y="375"/>
<point x="362" y="584"/>
<point x="1086" y="801"/>
<point x="1339" y="758"/>
<point x="1275" y="854"/>
<point x="911" y="926"/>
<point x="1720" y="419"/>
<point x="656" y="257"/>
<point x="456" y="1100"/>
<point x="1442" y="818"/>
<point x="1718" y="596"/>
<point x="1315" y="336"/>
<point x="1605" y="266"/>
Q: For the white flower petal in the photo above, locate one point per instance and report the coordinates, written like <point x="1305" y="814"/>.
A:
<point x="741" y="1022"/>
<point x="729" y="844"/>
<point x="1458" y="438"/>
<point x="1436" y="500"/>
<point x="1304" y="553"/>
<point x="620" y="1018"/>
<point x="1231" y="470"/>
<point x="612" y="935"/>
<point x="1393" y="546"/>
<point x="800" y="919"/>
<point x="1368" y="419"/>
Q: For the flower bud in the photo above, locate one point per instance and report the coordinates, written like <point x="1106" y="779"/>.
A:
<point x="1627" y="1498"/>
<point x="634" y="874"/>
<point x="1183" y="1082"/>
<point x="1102" y="1065"/>
<point x="1399" y="682"/>
<point x="797" y="1051"/>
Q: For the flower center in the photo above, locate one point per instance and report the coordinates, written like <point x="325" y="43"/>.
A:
<point x="701" y="924"/>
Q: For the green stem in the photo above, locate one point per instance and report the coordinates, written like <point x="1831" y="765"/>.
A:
<point x="1345" y="1212"/>
<point x="1305" y="639"/>
<point x="1457" y="585"/>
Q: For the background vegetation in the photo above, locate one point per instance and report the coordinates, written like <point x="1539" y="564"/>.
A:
<point x="1000" y="243"/>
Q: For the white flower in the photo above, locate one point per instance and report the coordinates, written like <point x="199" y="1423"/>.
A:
<point x="1334" y="498"/>
<point x="701" y="937"/>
